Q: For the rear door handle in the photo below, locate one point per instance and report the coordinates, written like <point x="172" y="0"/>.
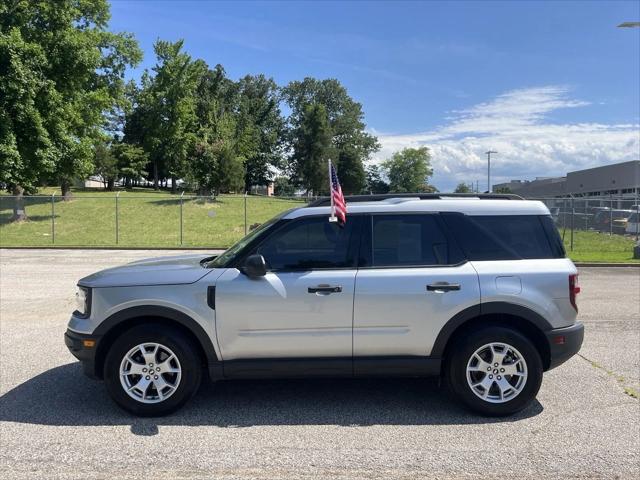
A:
<point x="443" y="287"/>
<point x="325" y="289"/>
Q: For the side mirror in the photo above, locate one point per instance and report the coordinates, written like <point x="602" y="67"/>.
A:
<point x="254" y="266"/>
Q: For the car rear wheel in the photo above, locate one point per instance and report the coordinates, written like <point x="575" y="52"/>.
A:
<point x="495" y="371"/>
<point x="152" y="370"/>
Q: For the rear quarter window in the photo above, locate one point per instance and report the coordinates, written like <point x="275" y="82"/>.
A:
<point x="505" y="237"/>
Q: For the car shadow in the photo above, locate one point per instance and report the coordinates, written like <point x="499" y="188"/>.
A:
<point x="64" y="396"/>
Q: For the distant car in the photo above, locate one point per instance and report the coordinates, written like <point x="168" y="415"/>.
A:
<point x="633" y="224"/>
<point x="603" y="220"/>
<point x="594" y="210"/>
<point x="571" y="218"/>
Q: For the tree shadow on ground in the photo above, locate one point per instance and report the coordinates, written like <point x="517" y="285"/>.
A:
<point x="64" y="396"/>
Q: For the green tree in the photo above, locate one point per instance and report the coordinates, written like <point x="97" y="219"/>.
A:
<point x="216" y="164"/>
<point x="502" y="190"/>
<point x="163" y="120"/>
<point x="105" y="164"/>
<point x="61" y="76"/>
<point x="351" y="170"/>
<point x="312" y="149"/>
<point x="26" y="147"/>
<point x="463" y="188"/>
<point x="283" y="187"/>
<point x="216" y="95"/>
<point x="131" y="162"/>
<point x="260" y="128"/>
<point x="409" y="170"/>
<point x="374" y="181"/>
<point x="352" y="144"/>
<point x="115" y="160"/>
<point x="204" y="165"/>
<point x="230" y="172"/>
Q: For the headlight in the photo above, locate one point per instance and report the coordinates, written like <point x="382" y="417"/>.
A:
<point x="83" y="297"/>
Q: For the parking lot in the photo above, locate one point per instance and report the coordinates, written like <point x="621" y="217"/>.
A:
<point x="56" y="423"/>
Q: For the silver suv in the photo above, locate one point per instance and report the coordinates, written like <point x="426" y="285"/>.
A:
<point x="476" y="290"/>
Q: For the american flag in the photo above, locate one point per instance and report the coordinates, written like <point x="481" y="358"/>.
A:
<point x="339" y="206"/>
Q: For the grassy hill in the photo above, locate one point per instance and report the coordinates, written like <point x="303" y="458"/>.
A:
<point x="145" y="218"/>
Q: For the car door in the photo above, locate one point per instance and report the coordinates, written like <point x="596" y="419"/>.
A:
<point x="303" y="307"/>
<point x="414" y="280"/>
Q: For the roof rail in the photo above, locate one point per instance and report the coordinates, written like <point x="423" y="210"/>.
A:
<point x="325" y="201"/>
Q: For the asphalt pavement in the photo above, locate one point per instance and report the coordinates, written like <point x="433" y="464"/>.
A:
<point x="56" y="423"/>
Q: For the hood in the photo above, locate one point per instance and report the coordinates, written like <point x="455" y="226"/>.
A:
<point x="174" y="270"/>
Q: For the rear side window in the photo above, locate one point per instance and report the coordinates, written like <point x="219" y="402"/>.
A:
<point x="410" y="240"/>
<point x="505" y="237"/>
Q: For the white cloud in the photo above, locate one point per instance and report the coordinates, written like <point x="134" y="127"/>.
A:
<point x="516" y="125"/>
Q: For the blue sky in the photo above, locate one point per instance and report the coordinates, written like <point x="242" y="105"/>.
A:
<point x="552" y="86"/>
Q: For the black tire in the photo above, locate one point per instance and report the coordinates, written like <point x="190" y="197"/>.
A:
<point x="179" y="344"/>
<point x="455" y="370"/>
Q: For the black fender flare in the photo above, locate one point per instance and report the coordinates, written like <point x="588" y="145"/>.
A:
<point x="168" y="313"/>
<point x="468" y="314"/>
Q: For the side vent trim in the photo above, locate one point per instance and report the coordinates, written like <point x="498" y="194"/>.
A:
<point x="211" y="297"/>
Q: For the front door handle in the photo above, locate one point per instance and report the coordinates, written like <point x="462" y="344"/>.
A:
<point x="442" y="287"/>
<point x="328" y="289"/>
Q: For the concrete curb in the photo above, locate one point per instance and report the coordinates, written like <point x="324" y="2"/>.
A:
<point x="595" y="264"/>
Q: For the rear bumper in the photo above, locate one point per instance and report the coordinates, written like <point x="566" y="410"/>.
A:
<point x="75" y="342"/>
<point x="564" y="343"/>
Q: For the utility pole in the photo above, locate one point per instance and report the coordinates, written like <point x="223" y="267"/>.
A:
<point x="488" y="153"/>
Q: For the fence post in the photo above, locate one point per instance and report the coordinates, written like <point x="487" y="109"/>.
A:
<point x="53" y="219"/>
<point x="181" y="201"/>
<point x="573" y="213"/>
<point x="637" y="213"/>
<point x="610" y="214"/>
<point x="245" y="213"/>
<point x="117" y="220"/>
<point x="586" y="215"/>
<point x="564" y="218"/>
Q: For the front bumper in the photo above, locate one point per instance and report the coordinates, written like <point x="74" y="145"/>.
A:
<point x="80" y="345"/>
<point x="564" y="343"/>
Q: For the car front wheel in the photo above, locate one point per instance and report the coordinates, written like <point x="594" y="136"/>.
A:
<point x="495" y="371"/>
<point x="152" y="370"/>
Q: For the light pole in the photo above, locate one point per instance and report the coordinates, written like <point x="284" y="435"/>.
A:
<point x="489" y="169"/>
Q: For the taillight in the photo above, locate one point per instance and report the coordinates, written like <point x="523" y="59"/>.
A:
<point x="574" y="289"/>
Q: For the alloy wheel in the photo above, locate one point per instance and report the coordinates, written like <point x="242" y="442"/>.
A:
<point x="150" y="373"/>
<point x="497" y="372"/>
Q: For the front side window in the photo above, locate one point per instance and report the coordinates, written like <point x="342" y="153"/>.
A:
<point x="230" y="255"/>
<point x="410" y="240"/>
<point x="309" y="243"/>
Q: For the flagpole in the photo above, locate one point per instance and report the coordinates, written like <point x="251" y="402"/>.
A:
<point x="332" y="218"/>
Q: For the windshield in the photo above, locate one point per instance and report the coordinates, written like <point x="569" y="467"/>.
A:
<point x="230" y="254"/>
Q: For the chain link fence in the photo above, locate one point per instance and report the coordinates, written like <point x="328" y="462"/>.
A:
<point x="137" y="220"/>
<point x="141" y="219"/>
<point x="598" y="229"/>
<point x="612" y="216"/>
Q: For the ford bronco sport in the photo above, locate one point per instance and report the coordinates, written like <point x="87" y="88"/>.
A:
<point x="476" y="290"/>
